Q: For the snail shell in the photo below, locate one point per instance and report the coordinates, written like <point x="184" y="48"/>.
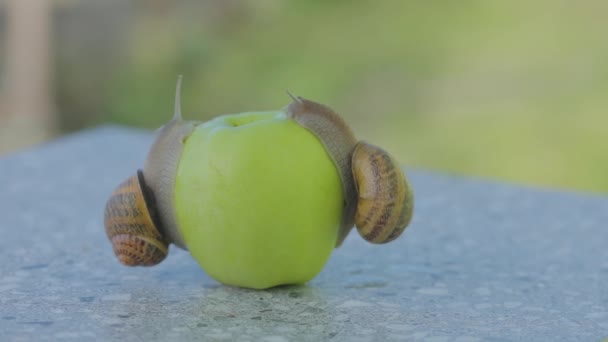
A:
<point x="385" y="204"/>
<point x="132" y="224"/>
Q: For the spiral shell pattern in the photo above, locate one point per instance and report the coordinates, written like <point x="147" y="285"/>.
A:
<point x="385" y="203"/>
<point x="131" y="224"/>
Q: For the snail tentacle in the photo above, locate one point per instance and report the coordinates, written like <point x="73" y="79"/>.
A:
<point x="177" y="112"/>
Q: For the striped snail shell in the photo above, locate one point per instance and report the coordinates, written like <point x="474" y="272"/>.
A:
<point x="132" y="224"/>
<point x="385" y="203"/>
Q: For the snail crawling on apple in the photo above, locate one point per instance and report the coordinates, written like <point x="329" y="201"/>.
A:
<point x="259" y="199"/>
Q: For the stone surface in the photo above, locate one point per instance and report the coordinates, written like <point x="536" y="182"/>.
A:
<point x="480" y="261"/>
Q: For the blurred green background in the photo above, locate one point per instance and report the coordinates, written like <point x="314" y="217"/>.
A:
<point x="510" y="90"/>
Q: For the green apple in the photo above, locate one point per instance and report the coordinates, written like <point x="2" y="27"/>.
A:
<point x="258" y="200"/>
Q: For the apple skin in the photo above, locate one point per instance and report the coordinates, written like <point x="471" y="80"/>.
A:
<point x="258" y="200"/>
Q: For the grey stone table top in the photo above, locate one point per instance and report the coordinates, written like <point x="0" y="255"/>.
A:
<point x="480" y="261"/>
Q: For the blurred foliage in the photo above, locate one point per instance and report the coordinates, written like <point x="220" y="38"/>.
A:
<point x="510" y="90"/>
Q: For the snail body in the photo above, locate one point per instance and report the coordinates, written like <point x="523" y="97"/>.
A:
<point x="160" y="168"/>
<point x="260" y="198"/>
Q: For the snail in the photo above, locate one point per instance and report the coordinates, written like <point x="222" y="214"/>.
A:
<point x="139" y="216"/>
<point x="155" y="208"/>
<point x="378" y="197"/>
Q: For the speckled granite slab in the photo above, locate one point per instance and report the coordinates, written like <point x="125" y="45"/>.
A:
<point x="481" y="261"/>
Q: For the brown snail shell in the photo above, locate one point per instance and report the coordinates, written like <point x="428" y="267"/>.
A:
<point x="386" y="203"/>
<point x="132" y="224"/>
